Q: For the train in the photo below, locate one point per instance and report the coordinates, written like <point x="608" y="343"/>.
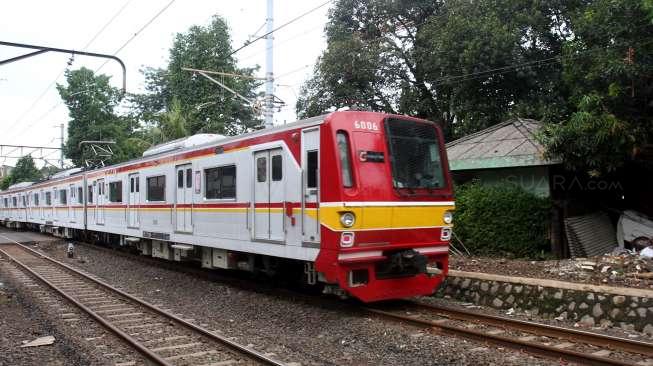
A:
<point x="360" y="203"/>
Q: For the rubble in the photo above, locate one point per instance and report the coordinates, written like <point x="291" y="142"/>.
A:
<point x="620" y="268"/>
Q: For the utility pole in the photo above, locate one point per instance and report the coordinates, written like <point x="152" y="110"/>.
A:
<point x="62" y="127"/>
<point x="269" y="74"/>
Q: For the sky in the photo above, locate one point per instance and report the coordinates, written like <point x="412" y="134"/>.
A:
<point x="30" y="108"/>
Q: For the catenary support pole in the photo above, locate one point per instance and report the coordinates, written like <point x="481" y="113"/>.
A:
<point x="62" y="128"/>
<point x="269" y="74"/>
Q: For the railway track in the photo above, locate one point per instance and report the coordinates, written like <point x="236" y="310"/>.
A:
<point x="540" y="339"/>
<point x="158" y="336"/>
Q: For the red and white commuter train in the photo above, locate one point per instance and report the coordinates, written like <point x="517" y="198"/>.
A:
<point x="358" y="201"/>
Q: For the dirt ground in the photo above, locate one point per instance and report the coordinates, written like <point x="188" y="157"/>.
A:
<point x="20" y="323"/>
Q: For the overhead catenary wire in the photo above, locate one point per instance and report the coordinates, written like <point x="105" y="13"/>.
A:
<point x="86" y="46"/>
<point x="140" y="30"/>
<point x="280" y="27"/>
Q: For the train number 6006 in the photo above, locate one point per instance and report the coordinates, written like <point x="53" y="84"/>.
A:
<point x="366" y="125"/>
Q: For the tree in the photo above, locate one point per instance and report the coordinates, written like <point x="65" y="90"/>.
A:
<point x="456" y="62"/>
<point x="5" y="183"/>
<point x="608" y="68"/>
<point x="202" y="105"/>
<point x="91" y="102"/>
<point x="25" y="171"/>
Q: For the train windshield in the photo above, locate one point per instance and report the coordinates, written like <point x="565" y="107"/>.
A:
<point x="414" y="154"/>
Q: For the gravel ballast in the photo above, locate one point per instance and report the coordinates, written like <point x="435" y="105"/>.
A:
<point x="21" y="321"/>
<point x="294" y="329"/>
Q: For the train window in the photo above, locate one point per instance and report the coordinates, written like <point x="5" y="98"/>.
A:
<point x="261" y="169"/>
<point x="221" y="182"/>
<point x="180" y="179"/>
<point x="90" y="193"/>
<point x="48" y="198"/>
<point x="115" y="191"/>
<point x="131" y="184"/>
<point x="24" y="201"/>
<point x="277" y="167"/>
<point x="36" y="199"/>
<point x="63" y="196"/>
<point x="345" y="158"/>
<point x="138" y="184"/>
<point x="156" y="188"/>
<point x="80" y="195"/>
<point x="311" y="167"/>
<point x="189" y="178"/>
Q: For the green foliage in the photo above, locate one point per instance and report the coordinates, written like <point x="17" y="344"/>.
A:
<point x="608" y="68"/>
<point x="91" y="102"/>
<point x="501" y="220"/>
<point x="25" y="171"/>
<point x="410" y="57"/>
<point x="591" y="139"/>
<point x="5" y="183"/>
<point x="202" y="106"/>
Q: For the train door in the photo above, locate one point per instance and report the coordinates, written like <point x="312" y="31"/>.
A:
<point x="134" y="200"/>
<point x="72" y="199"/>
<point x="311" y="185"/>
<point x="99" y="208"/>
<point x="184" y="199"/>
<point x="269" y="195"/>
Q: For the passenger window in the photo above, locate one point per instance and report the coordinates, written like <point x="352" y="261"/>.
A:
<point x="277" y="167"/>
<point x="80" y="195"/>
<point x="345" y="158"/>
<point x="261" y="169"/>
<point x="90" y="193"/>
<point x="115" y="192"/>
<point x="220" y="182"/>
<point x="156" y="188"/>
<point x="131" y="184"/>
<point x="62" y="197"/>
<point x="311" y="167"/>
<point x="180" y="179"/>
<point x="189" y="178"/>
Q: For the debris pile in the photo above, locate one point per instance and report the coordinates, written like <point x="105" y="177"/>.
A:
<point x="622" y="268"/>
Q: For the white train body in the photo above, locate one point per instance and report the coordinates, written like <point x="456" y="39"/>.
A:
<point x="259" y="199"/>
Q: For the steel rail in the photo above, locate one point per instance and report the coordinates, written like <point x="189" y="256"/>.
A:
<point x="530" y="347"/>
<point x="603" y="340"/>
<point x="126" y="337"/>
<point x="257" y="356"/>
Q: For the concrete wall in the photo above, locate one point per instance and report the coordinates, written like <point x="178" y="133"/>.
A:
<point x="590" y="306"/>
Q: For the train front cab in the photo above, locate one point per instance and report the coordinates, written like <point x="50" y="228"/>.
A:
<point x="386" y="205"/>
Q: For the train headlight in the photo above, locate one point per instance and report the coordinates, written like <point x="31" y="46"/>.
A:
<point x="347" y="219"/>
<point x="448" y="217"/>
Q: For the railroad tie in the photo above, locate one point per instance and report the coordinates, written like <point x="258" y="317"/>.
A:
<point x="191" y="355"/>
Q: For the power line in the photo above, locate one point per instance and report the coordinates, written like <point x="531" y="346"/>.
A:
<point x="281" y="26"/>
<point x="138" y="32"/>
<point x="97" y="34"/>
<point x="98" y="69"/>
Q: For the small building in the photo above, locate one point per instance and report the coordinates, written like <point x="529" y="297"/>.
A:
<point x="5" y="170"/>
<point x="506" y="152"/>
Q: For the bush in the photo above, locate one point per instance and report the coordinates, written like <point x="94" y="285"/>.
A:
<point x="501" y="220"/>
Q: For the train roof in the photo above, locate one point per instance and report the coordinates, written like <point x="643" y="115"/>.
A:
<point x="182" y="145"/>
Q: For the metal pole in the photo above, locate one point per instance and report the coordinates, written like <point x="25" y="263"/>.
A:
<point x="269" y="75"/>
<point x="62" y="127"/>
